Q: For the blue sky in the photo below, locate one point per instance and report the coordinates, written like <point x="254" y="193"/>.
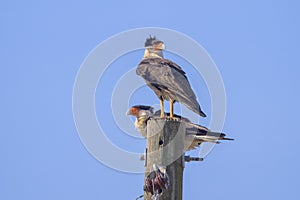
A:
<point x="254" y="44"/>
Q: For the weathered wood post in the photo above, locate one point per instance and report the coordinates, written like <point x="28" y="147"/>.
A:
<point x="165" y="147"/>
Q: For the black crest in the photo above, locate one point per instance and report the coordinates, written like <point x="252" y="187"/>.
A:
<point x="149" y="41"/>
<point x="143" y="107"/>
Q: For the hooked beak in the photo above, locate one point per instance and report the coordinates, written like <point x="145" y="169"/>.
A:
<point x="163" y="46"/>
<point x="128" y="113"/>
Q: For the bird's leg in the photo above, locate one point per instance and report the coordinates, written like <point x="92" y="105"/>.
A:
<point x="162" y="109"/>
<point x="171" y="109"/>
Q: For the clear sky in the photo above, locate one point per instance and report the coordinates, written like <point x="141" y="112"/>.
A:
<point x="255" y="45"/>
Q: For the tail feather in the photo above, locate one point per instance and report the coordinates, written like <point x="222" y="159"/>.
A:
<point x="202" y="114"/>
<point x="227" y="138"/>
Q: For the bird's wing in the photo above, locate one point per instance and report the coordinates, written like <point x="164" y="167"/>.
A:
<point x="196" y="134"/>
<point x="152" y="61"/>
<point x="174" y="66"/>
<point x="203" y="133"/>
<point x="162" y="73"/>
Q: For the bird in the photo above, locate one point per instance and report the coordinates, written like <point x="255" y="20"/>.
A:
<point x="167" y="79"/>
<point x="195" y="134"/>
<point x="161" y="178"/>
<point x="157" y="181"/>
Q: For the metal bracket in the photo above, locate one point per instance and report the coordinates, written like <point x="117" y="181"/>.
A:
<point x="189" y="159"/>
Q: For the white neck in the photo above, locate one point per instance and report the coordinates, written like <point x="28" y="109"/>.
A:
<point x="151" y="53"/>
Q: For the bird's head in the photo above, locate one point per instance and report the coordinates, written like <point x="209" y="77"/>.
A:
<point x="154" y="47"/>
<point x="138" y="109"/>
<point x="133" y="111"/>
<point x="142" y="114"/>
<point x="153" y="43"/>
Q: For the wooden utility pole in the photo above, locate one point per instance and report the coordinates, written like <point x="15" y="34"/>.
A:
<point x="165" y="147"/>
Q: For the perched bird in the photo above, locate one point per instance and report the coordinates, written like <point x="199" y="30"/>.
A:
<point x="194" y="136"/>
<point x="166" y="78"/>
<point x="157" y="181"/>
